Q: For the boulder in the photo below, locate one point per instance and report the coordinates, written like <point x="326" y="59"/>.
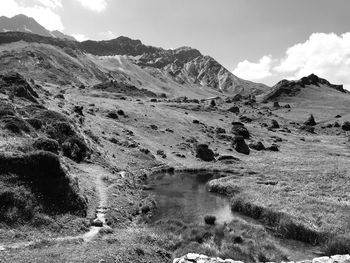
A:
<point x="234" y="109"/>
<point x="239" y="145"/>
<point x="273" y="148"/>
<point x="310" y="121"/>
<point x="220" y="130"/>
<point x="259" y="146"/>
<point x="276" y="104"/>
<point x="239" y="129"/>
<point x="204" y="153"/>
<point x="308" y="128"/>
<point x="346" y="126"/>
<point x="274" y="124"/>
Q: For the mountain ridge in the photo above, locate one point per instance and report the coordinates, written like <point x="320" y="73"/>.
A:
<point x="291" y="88"/>
<point x="23" y="23"/>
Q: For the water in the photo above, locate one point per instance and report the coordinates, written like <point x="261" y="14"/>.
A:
<point x="184" y="196"/>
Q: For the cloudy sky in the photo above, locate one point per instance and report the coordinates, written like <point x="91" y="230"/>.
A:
<point x="259" y="40"/>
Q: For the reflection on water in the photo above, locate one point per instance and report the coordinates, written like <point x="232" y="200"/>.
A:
<point x="184" y="196"/>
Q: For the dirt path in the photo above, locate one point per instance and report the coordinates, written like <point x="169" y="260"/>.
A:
<point x="97" y="173"/>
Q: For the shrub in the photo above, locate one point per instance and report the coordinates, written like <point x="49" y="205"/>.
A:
<point x="35" y="123"/>
<point x="16" y="204"/>
<point x="46" y="144"/>
<point x="15" y="124"/>
<point x="43" y="172"/>
<point x="75" y="148"/>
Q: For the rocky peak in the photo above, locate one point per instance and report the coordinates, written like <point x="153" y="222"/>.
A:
<point x="293" y="87"/>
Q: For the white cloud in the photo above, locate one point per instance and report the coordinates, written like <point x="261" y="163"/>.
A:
<point x="254" y="71"/>
<point x="43" y="11"/>
<point x="107" y="35"/>
<point x="326" y="55"/>
<point x="94" y="5"/>
<point x="80" y="37"/>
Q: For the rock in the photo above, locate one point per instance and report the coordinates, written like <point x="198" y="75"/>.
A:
<point x="245" y="119"/>
<point x="310" y="121"/>
<point x="209" y="219"/>
<point x="273" y="148"/>
<point x="276" y="104"/>
<point x="239" y="145"/>
<point x="78" y="110"/>
<point x="161" y="153"/>
<point x="204" y="153"/>
<point x="227" y="158"/>
<point x="234" y="109"/>
<point x="287" y="106"/>
<point x="337" y="116"/>
<point x="220" y="130"/>
<point x="239" y="129"/>
<point x="308" y="128"/>
<point x="59" y="96"/>
<point x="195" y="121"/>
<point x="259" y="146"/>
<point x="346" y="126"/>
<point x="121" y="112"/>
<point x="322" y="260"/>
<point x="112" y="115"/>
<point x="97" y="222"/>
<point x="274" y="124"/>
<point x="153" y="127"/>
<point x="336" y="125"/>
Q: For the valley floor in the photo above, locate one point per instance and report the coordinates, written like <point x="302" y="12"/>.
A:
<point x="299" y="192"/>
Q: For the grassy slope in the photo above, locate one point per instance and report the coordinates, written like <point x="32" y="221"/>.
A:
<point x="312" y="175"/>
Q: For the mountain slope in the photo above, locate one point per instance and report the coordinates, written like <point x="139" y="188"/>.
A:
<point x="27" y="24"/>
<point x="185" y="69"/>
<point x="185" y="65"/>
<point x="305" y="87"/>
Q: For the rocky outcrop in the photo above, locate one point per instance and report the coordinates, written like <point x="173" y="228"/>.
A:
<point x="198" y="258"/>
<point x="287" y="88"/>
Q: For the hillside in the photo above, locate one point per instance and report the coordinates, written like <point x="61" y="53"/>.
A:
<point x="182" y="67"/>
<point x="89" y="130"/>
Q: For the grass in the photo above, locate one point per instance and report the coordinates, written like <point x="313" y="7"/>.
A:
<point x="237" y="240"/>
<point x="307" y="202"/>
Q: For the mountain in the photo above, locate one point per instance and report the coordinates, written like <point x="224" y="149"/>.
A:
<point x="185" y="65"/>
<point x="180" y="72"/>
<point x="27" y="24"/>
<point x="305" y="87"/>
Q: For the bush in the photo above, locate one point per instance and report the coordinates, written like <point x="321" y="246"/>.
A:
<point x="209" y="219"/>
<point x="16" y="204"/>
<point x="43" y="172"/>
<point x="46" y="144"/>
<point x="6" y="109"/>
<point x="15" y="124"/>
<point x="75" y="148"/>
<point x="35" y="123"/>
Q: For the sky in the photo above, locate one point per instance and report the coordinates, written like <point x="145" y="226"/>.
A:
<point x="259" y="40"/>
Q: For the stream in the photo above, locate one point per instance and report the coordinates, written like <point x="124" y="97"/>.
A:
<point x="183" y="196"/>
